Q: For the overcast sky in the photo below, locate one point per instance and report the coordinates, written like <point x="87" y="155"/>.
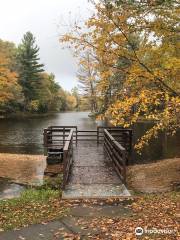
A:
<point x="44" y="19"/>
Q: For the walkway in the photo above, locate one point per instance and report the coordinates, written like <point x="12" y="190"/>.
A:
<point x="79" y="223"/>
<point x="92" y="174"/>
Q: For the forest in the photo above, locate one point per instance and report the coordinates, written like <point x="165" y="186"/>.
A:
<point x="24" y="84"/>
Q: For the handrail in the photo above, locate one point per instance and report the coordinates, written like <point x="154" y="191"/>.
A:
<point x="113" y="140"/>
<point x="67" y="157"/>
<point x="117" y="154"/>
<point x="56" y="135"/>
<point x="66" y="146"/>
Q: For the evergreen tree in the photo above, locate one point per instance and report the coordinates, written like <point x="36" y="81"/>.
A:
<point x="29" y="67"/>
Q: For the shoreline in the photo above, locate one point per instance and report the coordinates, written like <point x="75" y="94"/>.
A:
<point x="26" y="115"/>
<point x="20" y="115"/>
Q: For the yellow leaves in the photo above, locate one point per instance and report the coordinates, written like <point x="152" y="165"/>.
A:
<point x="33" y="106"/>
<point x="71" y="102"/>
<point x="138" y="47"/>
<point x="152" y="105"/>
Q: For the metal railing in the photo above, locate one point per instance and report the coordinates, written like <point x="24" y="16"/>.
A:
<point x="117" y="154"/>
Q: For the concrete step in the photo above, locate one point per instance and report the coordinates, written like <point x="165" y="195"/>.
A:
<point x="78" y="191"/>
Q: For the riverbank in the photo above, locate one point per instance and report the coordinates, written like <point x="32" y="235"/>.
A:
<point x="22" y="115"/>
<point x="22" y="168"/>
<point x="161" y="176"/>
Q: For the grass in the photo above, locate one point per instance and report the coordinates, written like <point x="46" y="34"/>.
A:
<point x="43" y="205"/>
<point x="33" y="206"/>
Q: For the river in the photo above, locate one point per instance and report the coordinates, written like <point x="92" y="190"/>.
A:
<point x="25" y="135"/>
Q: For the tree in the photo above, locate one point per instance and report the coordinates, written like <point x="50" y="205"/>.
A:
<point x="51" y="96"/>
<point x="75" y="93"/>
<point x="70" y="102"/>
<point x="9" y="50"/>
<point x="10" y="90"/>
<point x="29" y="68"/>
<point x="88" y="80"/>
<point x="150" y="69"/>
<point x="21" y="74"/>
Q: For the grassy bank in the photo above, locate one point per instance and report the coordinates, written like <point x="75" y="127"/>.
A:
<point x="148" y="211"/>
<point x="33" y="206"/>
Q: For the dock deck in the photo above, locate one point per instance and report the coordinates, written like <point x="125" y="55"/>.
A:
<point x="94" y="160"/>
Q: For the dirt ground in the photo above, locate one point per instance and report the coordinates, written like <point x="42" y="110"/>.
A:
<point x="161" y="176"/>
<point x="22" y="168"/>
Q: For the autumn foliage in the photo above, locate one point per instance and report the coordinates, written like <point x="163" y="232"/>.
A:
<point x="24" y="85"/>
<point x="135" y="51"/>
<point x="9" y="87"/>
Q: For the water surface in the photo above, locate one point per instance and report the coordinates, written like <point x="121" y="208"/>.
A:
<point x="26" y="135"/>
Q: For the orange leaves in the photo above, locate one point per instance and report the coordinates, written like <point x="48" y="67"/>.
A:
<point x="8" y="80"/>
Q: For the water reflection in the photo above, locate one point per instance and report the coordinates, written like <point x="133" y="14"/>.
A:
<point x="9" y="190"/>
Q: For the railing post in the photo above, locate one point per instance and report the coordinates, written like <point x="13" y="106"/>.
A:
<point x="63" y="136"/>
<point x="124" y="165"/>
<point x="45" y="142"/>
<point x="130" y="148"/>
<point x="97" y="135"/>
<point x="131" y="135"/>
<point x="45" y="137"/>
<point x="64" y="168"/>
<point x="76" y="135"/>
<point x="67" y="157"/>
<point x="49" y="138"/>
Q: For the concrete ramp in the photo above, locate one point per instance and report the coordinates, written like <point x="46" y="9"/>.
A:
<point x="92" y="175"/>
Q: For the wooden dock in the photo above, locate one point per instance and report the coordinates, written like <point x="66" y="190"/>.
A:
<point x="94" y="161"/>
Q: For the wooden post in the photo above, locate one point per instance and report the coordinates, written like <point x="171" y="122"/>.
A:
<point x="124" y="166"/>
<point x="63" y="136"/>
<point x="97" y="135"/>
<point x="45" y="143"/>
<point x="64" y="168"/>
<point x="76" y="135"/>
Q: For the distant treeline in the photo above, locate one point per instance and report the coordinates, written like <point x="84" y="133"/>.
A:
<point x="25" y="86"/>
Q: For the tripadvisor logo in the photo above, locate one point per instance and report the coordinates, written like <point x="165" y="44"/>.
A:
<point x="139" y="231"/>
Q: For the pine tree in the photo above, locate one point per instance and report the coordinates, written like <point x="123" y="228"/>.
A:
<point x="29" y="67"/>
